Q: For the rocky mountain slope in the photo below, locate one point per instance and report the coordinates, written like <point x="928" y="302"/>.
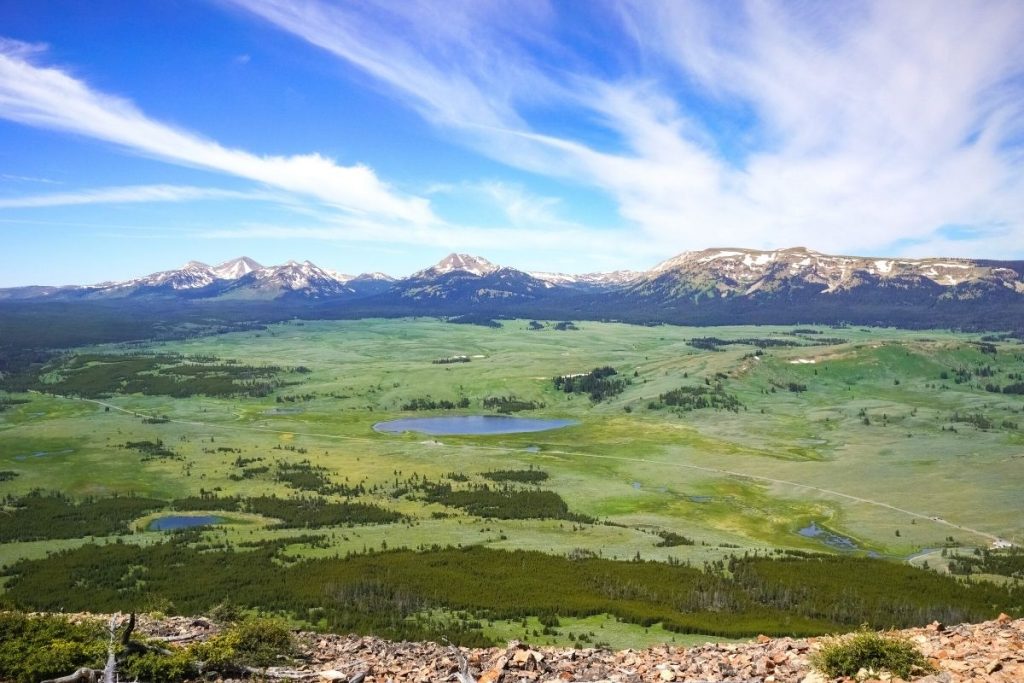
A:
<point x="744" y="272"/>
<point x="991" y="651"/>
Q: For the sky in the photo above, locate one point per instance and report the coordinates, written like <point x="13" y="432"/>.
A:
<point x="560" y="136"/>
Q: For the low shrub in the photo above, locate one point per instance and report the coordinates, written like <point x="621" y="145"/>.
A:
<point x="258" y="641"/>
<point x="875" y="652"/>
<point x="33" y="648"/>
<point x="180" y="665"/>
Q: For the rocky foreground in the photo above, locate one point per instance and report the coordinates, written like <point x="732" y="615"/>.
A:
<point x="992" y="651"/>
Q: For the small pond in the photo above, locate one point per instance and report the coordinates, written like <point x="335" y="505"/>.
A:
<point x="43" y="454"/>
<point x="830" y="539"/>
<point x="175" y="522"/>
<point x="470" y="424"/>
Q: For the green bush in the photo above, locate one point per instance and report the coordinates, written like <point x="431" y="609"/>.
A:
<point x="254" y="641"/>
<point x="845" y="656"/>
<point x="180" y="665"/>
<point x="36" y="648"/>
<point x="226" y="612"/>
<point x="33" y="648"/>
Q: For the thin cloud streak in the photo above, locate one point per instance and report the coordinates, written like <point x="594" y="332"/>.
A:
<point x="433" y="56"/>
<point x="131" y="194"/>
<point x="518" y="206"/>
<point x="46" y="97"/>
<point x="468" y="66"/>
<point x="572" y="248"/>
<point x="28" y="179"/>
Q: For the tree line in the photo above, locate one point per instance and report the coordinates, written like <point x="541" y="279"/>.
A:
<point x="379" y="592"/>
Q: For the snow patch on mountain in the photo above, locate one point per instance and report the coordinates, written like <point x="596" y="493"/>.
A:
<point x="750" y="270"/>
<point x="236" y="268"/>
<point x="474" y="265"/>
<point x="376" y="276"/>
<point x="616" y="277"/>
<point x="294" y="276"/>
<point x="192" y="275"/>
<point x="340" y="277"/>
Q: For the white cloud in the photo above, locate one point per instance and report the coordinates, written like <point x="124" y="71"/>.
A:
<point x="871" y="124"/>
<point x="434" y="55"/>
<point x="865" y="126"/>
<point x="130" y="194"/>
<point x="49" y="98"/>
<point x="520" y="207"/>
<point x="467" y="66"/>
<point x="28" y="179"/>
<point x="566" y="249"/>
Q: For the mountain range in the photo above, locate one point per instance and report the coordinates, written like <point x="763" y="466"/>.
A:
<point x="711" y="286"/>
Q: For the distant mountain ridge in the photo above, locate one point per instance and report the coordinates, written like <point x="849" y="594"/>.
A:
<point x="746" y="270"/>
<point x="703" y="287"/>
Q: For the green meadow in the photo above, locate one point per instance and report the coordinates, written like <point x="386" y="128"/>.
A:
<point x="889" y="442"/>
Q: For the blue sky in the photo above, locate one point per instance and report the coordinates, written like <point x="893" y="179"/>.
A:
<point x="565" y="136"/>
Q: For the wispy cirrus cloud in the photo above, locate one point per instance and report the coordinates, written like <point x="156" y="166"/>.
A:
<point x="129" y="195"/>
<point x="518" y="206"/>
<point x="16" y="178"/>
<point x="50" y="98"/>
<point x="472" y="67"/>
<point x="571" y="248"/>
<point x="530" y="222"/>
<point x="434" y="56"/>
<point x="862" y="126"/>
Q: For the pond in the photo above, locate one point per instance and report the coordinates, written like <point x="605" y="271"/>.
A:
<point x="470" y="424"/>
<point x="175" y="522"/>
<point x="827" y="537"/>
<point x="43" y="454"/>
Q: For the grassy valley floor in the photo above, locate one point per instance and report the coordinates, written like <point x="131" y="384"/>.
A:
<point x="706" y="443"/>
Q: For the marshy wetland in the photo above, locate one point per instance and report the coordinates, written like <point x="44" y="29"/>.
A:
<point x="684" y="453"/>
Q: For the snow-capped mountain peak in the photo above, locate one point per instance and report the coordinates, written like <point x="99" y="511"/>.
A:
<point x="295" y="271"/>
<point x="466" y="263"/>
<point x="340" y="277"/>
<point x="305" y="278"/>
<point x="376" y="275"/>
<point x="236" y="268"/>
<point x="192" y="275"/>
